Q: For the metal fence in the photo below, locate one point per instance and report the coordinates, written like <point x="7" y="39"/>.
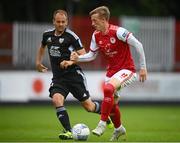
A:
<point x="26" y="40"/>
<point x="156" y="35"/>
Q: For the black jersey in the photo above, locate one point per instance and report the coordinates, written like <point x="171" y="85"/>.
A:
<point x="59" y="49"/>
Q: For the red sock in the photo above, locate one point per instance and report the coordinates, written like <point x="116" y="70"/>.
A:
<point x="116" y="116"/>
<point x="107" y="102"/>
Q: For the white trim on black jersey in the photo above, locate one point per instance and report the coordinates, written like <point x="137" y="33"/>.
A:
<point x="74" y="35"/>
<point x="49" y="30"/>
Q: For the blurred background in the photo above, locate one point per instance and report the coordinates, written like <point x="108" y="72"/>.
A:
<point x="155" y="23"/>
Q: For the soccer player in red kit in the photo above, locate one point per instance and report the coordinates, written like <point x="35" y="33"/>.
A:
<point x="114" y="42"/>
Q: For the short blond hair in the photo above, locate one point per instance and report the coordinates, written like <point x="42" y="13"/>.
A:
<point x="103" y="11"/>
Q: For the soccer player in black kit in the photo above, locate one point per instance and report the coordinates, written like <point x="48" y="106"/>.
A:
<point x="67" y="76"/>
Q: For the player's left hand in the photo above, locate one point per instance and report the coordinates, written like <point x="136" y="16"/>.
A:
<point x="64" y="64"/>
<point x="142" y="75"/>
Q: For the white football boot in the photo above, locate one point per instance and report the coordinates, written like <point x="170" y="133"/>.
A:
<point x="100" y="129"/>
<point x="121" y="131"/>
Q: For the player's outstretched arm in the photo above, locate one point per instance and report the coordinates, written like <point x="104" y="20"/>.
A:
<point x="83" y="58"/>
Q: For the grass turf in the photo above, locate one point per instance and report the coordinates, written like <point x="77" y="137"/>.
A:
<point x="30" y="123"/>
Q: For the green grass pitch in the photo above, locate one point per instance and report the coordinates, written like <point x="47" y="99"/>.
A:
<point x="30" y="123"/>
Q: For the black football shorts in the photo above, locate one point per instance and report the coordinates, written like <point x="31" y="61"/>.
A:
<point x="74" y="83"/>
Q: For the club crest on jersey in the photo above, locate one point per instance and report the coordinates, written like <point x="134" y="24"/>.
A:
<point x="112" y="40"/>
<point x="61" y="40"/>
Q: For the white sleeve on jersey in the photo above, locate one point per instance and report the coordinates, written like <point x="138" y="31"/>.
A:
<point x="128" y="37"/>
<point x="91" y="55"/>
<point x="87" y="57"/>
<point x="122" y="34"/>
<point x="93" y="45"/>
<point x="132" y="41"/>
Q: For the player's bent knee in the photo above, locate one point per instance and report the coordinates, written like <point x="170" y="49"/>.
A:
<point x="108" y="89"/>
<point x="57" y="100"/>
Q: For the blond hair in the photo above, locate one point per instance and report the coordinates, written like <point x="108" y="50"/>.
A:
<point x="103" y="11"/>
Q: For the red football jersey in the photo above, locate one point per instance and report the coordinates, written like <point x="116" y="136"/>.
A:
<point x="114" y="46"/>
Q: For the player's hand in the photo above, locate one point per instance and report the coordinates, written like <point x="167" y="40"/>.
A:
<point x="74" y="56"/>
<point x="41" y="68"/>
<point x="142" y="75"/>
<point x="64" y="64"/>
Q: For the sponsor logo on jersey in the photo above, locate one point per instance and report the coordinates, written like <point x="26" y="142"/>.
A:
<point x="61" y="40"/>
<point x="109" y="52"/>
<point x="107" y="49"/>
<point x="54" y="51"/>
<point x="112" y="40"/>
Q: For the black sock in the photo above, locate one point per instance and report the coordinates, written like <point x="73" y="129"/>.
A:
<point x="97" y="107"/>
<point x="63" y="117"/>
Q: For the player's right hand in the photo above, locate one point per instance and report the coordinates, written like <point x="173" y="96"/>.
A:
<point x="41" y="68"/>
<point x="74" y="56"/>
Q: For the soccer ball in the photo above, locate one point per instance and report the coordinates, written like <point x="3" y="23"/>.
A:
<point x="80" y="132"/>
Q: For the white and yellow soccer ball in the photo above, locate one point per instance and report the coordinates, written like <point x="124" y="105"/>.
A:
<point x="80" y="132"/>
